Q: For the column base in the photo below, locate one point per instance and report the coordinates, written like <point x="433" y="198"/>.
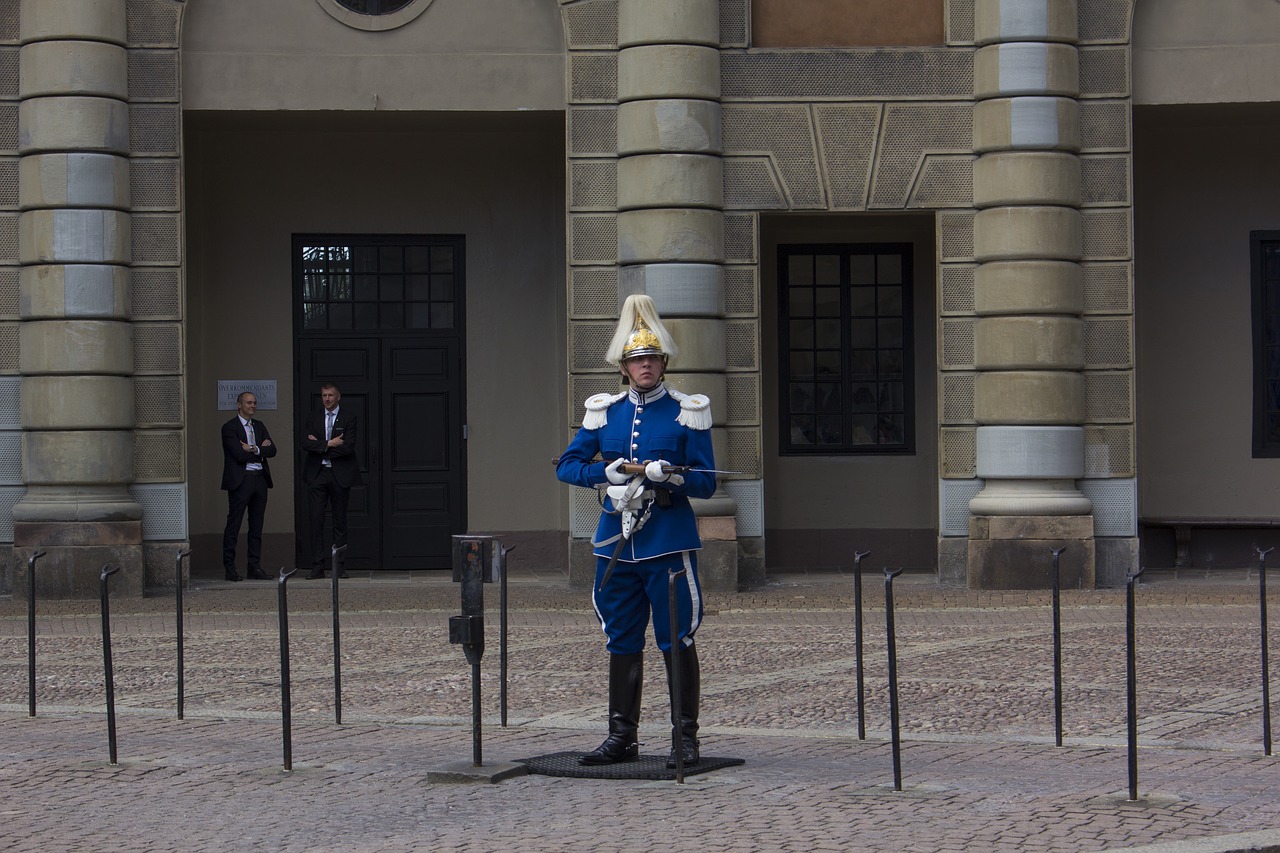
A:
<point x="1015" y="552"/>
<point x="77" y="505"/>
<point x="1032" y="497"/>
<point x="161" y="560"/>
<point x="75" y="554"/>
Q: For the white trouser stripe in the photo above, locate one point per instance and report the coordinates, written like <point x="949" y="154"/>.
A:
<point x="694" y="599"/>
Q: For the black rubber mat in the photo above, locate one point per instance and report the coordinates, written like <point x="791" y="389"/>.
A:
<point x="644" y="767"/>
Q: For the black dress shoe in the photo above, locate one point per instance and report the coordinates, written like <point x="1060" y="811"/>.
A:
<point x="258" y="575"/>
<point x="615" y="749"/>
<point x="342" y="573"/>
<point x="232" y="575"/>
<point x="315" y="575"/>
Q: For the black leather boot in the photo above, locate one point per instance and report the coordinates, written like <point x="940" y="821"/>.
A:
<point x="626" y="675"/>
<point x="690" y="690"/>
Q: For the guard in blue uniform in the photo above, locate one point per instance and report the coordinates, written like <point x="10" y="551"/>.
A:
<point x="646" y="520"/>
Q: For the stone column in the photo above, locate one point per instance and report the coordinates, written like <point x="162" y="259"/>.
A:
<point x="76" y="341"/>
<point x="671" y="213"/>
<point x="1029" y="298"/>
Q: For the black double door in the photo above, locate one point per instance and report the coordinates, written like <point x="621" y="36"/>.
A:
<point x="406" y="392"/>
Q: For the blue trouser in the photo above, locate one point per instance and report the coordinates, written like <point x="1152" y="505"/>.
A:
<point x="634" y="589"/>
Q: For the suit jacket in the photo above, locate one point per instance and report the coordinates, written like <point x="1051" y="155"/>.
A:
<point x="346" y="470"/>
<point x="235" y="457"/>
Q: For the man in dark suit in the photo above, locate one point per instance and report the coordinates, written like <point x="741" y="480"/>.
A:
<point x="330" y="470"/>
<point x="246" y="476"/>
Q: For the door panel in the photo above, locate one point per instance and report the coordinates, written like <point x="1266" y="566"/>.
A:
<point x="423" y="471"/>
<point x="348" y="364"/>
<point x="408" y="445"/>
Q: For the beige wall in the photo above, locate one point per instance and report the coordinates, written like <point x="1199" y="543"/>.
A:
<point x="291" y="54"/>
<point x="253" y="183"/>
<point x="841" y="492"/>
<point x="1204" y="177"/>
<point x="1206" y="51"/>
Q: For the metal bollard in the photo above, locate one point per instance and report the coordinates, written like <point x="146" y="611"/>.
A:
<point x="336" y="552"/>
<point x="1266" y="665"/>
<point x="677" y="730"/>
<point x="502" y="639"/>
<point x="1057" y="648"/>
<point x="177" y="571"/>
<point x="893" y="677"/>
<point x="107" y="572"/>
<point x="286" y="702"/>
<point x="477" y="560"/>
<point x="857" y="642"/>
<point x="31" y="632"/>
<point x="1132" y="681"/>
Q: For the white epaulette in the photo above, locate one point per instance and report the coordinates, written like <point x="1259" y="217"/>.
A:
<point x="695" y="409"/>
<point x="598" y="409"/>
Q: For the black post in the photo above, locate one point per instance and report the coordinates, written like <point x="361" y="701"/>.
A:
<point x="502" y="636"/>
<point x="177" y="573"/>
<point x="677" y="728"/>
<point x="857" y="641"/>
<point x="337" y="636"/>
<point x="1057" y="648"/>
<point x="109" y="672"/>
<point x="473" y="603"/>
<point x="286" y="702"/>
<point x="475" y="559"/>
<point x="1132" y="668"/>
<point x="1266" y="665"/>
<point x="31" y="632"/>
<point x="893" y="677"/>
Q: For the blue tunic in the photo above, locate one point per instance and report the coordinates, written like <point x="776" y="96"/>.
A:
<point x="642" y="427"/>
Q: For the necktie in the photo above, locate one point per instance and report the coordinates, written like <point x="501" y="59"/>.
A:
<point x="328" y="427"/>
<point x="253" y="464"/>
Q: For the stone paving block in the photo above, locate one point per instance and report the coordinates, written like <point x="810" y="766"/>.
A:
<point x="980" y="771"/>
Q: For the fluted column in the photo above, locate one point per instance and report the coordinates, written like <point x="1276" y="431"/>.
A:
<point x="671" y="212"/>
<point x="76" y="340"/>
<point x="1029" y="295"/>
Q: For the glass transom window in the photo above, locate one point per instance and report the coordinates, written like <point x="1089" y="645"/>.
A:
<point x="379" y="284"/>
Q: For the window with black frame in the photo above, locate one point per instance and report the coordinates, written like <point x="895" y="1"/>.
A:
<point x="845" y="341"/>
<point x="378" y="283"/>
<point x="1265" y="262"/>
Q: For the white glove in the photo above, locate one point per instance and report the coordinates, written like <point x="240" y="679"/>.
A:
<point x="613" y="475"/>
<point x="655" y="473"/>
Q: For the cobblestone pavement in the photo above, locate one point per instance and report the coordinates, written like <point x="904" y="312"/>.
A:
<point x="979" y="766"/>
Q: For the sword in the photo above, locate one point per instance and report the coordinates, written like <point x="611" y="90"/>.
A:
<point x="613" y="561"/>
<point x="624" y="531"/>
<point x="638" y="468"/>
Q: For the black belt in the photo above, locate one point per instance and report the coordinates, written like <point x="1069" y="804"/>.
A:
<point x="255" y="473"/>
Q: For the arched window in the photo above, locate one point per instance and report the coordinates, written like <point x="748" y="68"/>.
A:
<point x="374" y="15"/>
<point x="374" y="7"/>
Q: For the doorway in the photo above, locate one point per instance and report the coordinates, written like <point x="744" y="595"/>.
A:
<point x="380" y="317"/>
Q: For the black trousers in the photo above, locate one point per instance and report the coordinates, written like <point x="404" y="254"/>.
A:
<point x="324" y="490"/>
<point x="251" y="494"/>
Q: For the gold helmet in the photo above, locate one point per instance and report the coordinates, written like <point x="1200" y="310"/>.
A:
<point x="640" y="332"/>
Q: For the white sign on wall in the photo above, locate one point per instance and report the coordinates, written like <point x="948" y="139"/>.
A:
<point x="263" y="389"/>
